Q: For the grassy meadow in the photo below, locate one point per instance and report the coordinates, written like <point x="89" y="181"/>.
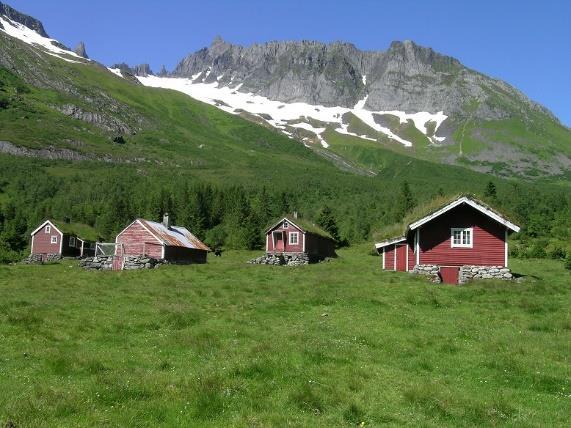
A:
<point x="230" y="344"/>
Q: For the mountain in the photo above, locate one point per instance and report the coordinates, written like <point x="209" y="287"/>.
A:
<point x="347" y="105"/>
<point x="408" y="98"/>
<point x="84" y="141"/>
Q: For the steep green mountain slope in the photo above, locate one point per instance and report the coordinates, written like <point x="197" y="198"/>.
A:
<point x="79" y="142"/>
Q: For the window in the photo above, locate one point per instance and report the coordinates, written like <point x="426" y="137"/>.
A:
<point x="48" y="229"/>
<point x="72" y="241"/>
<point x="54" y="239"/>
<point x="294" y="238"/>
<point x="461" y="237"/>
<point x="286" y="224"/>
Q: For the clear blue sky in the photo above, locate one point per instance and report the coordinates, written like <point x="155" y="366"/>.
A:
<point x="526" y="43"/>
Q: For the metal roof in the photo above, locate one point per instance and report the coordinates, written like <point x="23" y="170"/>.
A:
<point x="174" y="236"/>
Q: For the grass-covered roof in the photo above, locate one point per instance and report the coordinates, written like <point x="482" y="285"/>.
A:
<point x="306" y="224"/>
<point x="424" y="210"/>
<point x="81" y="230"/>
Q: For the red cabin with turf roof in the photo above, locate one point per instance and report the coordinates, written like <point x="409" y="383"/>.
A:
<point x="293" y="235"/>
<point x="465" y="232"/>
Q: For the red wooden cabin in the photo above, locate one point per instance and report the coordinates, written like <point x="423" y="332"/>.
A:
<point x="292" y="235"/>
<point x="59" y="238"/>
<point x="464" y="232"/>
<point x="160" y="241"/>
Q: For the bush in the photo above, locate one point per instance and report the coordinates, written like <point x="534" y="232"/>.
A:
<point x="216" y="237"/>
<point x="557" y="253"/>
<point x="4" y="103"/>
<point x="568" y="262"/>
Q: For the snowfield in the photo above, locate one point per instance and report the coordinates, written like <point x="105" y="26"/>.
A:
<point x="285" y="116"/>
<point x="30" y="37"/>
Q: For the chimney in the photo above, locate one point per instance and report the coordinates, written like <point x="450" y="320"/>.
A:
<point x="166" y="221"/>
<point x="295" y="214"/>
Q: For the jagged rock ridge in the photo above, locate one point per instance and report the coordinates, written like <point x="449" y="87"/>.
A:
<point x="405" y="77"/>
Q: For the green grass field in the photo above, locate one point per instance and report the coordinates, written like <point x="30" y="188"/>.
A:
<point x="334" y="344"/>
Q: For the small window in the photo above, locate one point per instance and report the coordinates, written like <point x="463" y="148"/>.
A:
<point x="72" y="241"/>
<point x="48" y="229"/>
<point x="293" y="238"/>
<point x="286" y="224"/>
<point x="54" y="239"/>
<point x="461" y="237"/>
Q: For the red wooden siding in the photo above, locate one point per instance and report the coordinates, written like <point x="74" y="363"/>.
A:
<point x="450" y="274"/>
<point x="390" y="257"/>
<point x="488" y="247"/>
<point x="297" y="248"/>
<point x="41" y="241"/>
<point x="136" y="240"/>
<point x="411" y="256"/>
<point x="401" y="257"/>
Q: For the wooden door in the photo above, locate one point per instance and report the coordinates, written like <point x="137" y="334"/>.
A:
<point x="449" y="274"/>
<point x="118" y="257"/>
<point x="279" y="242"/>
<point x="401" y="258"/>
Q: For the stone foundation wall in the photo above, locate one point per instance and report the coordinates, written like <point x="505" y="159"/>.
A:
<point x="38" y="258"/>
<point x="467" y="273"/>
<point x="130" y="263"/>
<point x="297" y="259"/>
<point x="432" y="271"/>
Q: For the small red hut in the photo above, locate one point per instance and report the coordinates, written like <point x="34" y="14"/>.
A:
<point x="293" y="235"/>
<point x="160" y="241"/>
<point x="55" y="239"/>
<point x="465" y="233"/>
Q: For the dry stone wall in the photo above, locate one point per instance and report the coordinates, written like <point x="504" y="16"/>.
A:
<point x="129" y="263"/>
<point x="39" y="258"/>
<point x="297" y="259"/>
<point x="467" y="273"/>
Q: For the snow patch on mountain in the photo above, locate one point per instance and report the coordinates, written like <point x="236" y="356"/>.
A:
<point x="281" y="115"/>
<point x="115" y="71"/>
<point x="29" y="36"/>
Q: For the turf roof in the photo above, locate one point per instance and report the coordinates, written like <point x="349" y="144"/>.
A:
<point x="424" y="210"/>
<point x="82" y="231"/>
<point x="307" y="225"/>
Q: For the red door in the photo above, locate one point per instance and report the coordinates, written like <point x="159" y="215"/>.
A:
<point x="401" y="258"/>
<point x="278" y="242"/>
<point x="118" y="257"/>
<point x="449" y="274"/>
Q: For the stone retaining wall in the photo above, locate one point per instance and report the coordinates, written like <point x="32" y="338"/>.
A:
<point x="297" y="259"/>
<point x="130" y="263"/>
<point x="467" y="273"/>
<point x="432" y="271"/>
<point x="39" y="258"/>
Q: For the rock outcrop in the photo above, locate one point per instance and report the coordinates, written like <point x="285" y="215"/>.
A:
<point x="23" y="19"/>
<point x="81" y="51"/>
<point x="405" y="77"/>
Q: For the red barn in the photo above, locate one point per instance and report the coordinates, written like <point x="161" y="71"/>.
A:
<point x="160" y="241"/>
<point x="292" y="235"/>
<point x="465" y="233"/>
<point x="54" y="239"/>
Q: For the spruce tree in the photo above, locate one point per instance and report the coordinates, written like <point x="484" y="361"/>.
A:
<point x="491" y="191"/>
<point x="327" y="221"/>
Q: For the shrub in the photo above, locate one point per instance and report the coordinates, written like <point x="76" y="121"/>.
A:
<point x="568" y="262"/>
<point x="4" y="103"/>
<point x="557" y="253"/>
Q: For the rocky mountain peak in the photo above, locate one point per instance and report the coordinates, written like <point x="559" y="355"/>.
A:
<point x="81" y="51"/>
<point x="23" y="19"/>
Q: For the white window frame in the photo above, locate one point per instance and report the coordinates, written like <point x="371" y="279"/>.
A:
<point x="285" y="224"/>
<point x="72" y="241"/>
<point x="291" y="235"/>
<point x="48" y="229"/>
<point x="462" y="230"/>
<point x="53" y="239"/>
